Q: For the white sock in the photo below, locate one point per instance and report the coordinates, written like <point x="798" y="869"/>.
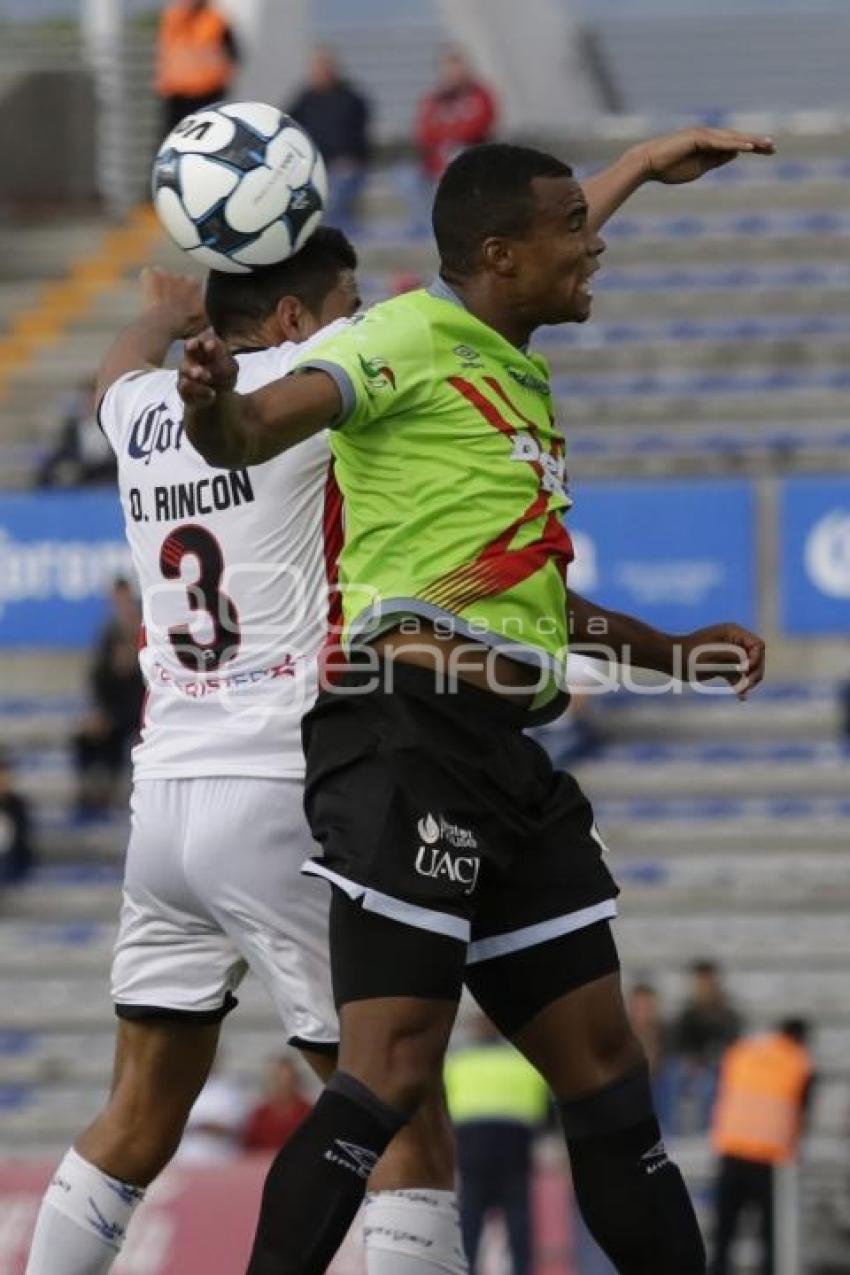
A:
<point x="82" y="1220"/>
<point x="413" y="1232"/>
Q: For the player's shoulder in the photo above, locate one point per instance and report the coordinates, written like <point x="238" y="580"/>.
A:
<point x="134" y="394"/>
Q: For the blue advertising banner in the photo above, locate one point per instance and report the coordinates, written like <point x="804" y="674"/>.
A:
<point x="677" y="554"/>
<point x="814" y="555"/>
<point x="59" y="552"/>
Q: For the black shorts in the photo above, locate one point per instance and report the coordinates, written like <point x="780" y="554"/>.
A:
<point x="435" y="810"/>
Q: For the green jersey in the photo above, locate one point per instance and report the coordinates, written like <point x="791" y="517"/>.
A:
<point x="453" y="479"/>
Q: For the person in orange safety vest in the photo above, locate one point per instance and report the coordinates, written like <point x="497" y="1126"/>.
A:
<point x="197" y="58"/>
<point x="764" y="1091"/>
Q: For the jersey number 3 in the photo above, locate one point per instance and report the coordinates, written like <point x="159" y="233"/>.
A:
<point x="204" y="595"/>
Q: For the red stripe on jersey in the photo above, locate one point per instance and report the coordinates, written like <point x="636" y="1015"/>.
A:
<point x="498" y="389"/>
<point x="330" y="656"/>
<point x="482" y="404"/>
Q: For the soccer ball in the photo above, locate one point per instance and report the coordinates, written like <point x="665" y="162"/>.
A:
<point x="239" y="185"/>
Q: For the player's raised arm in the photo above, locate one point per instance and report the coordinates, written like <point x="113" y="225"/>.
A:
<point x="726" y="650"/>
<point x="674" y="159"/>
<point x="172" y="309"/>
<point x="231" y="430"/>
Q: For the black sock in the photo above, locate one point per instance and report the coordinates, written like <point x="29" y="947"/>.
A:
<point x="633" y="1199"/>
<point x="317" y="1181"/>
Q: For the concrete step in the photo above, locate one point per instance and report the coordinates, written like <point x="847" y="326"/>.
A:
<point x="651" y="829"/>
<point x="691" y="882"/>
<point x="724" y="781"/>
<point x="767" y="716"/>
<point x="814" y="940"/>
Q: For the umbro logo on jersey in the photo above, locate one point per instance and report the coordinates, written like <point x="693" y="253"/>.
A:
<point x="468" y="355"/>
<point x="655" y="1158"/>
<point x="348" y="1155"/>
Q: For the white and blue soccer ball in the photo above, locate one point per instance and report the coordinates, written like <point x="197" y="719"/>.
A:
<point x="239" y="185"/>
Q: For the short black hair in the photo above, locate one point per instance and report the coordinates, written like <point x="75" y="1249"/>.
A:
<point x="797" y="1028"/>
<point x="239" y="302"/>
<point x="487" y="191"/>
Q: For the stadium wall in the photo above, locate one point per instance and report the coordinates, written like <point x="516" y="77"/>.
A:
<point x="771" y="554"/>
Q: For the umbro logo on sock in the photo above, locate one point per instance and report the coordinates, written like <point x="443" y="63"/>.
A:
<point x="655" y="1158"/>
<point x="348" y="1155"/>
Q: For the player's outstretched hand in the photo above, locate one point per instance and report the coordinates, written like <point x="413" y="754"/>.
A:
<point x="727" y="651"/>
<point x="208" y="368"/>
<point x="688" y="154"/>
<point x="177" y="299"/>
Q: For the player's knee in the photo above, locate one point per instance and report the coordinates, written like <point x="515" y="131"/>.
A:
<point x="615" y="1049"/>
<point x="399" y="1057"/>
<point x="149" y="1136"/>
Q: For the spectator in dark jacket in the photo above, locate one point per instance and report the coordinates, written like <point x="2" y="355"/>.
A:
<point x="460" y="112"/>
<point x="16" y="850"/>
<point x="705" y="1026"/>
<point x="337" y="118"/>
<point x="81" y="454"/>
<point x="102" y="742"/>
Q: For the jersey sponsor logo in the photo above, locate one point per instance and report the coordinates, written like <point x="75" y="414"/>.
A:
<point x="154" y="432"/>
<point x="429" y="830"/>
<point x="436" y="858"/>
<point x="432" y="830"/>
<point x="439" y="865"/>
<point x="554" y="475"/>
<point x="348" y="1155"/>
<point x="202" y="689"/>
<point x="528" y="381"/>
<point x="377" y="373"/>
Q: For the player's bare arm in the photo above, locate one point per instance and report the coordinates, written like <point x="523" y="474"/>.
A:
<point x="231" y="430"/>
<point x="172" y="309"/>
<point x="723" y="650"/>
<point x="674" y="159"/>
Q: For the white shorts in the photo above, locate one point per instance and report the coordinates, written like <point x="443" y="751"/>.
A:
<point x="213" y="887"/>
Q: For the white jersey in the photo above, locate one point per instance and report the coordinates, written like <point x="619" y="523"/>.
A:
<point x="233" y="567"/>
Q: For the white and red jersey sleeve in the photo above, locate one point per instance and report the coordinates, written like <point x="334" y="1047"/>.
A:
<point x="233" y="569"/>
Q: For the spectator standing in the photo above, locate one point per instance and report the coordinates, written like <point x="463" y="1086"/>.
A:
<point x="197" y="58"/>
<point x="705" y="1026"/>
<point x="648" y="1025"/>
<point x="102" y="742"/>
<point x="81" y="454"/>
<point x="459" y="112"/>
<point x="765" y="1088"/>
<point x="273" y="1122"/>
<point x="336" y="116"/>
<point x="16" y="848"/>
<point x="497" y="1102"/>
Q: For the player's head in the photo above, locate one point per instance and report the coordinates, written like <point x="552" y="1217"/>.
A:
<point x="290" y="301"/>
<point x="516" y="219"/>
<point x="795" y="1029"/>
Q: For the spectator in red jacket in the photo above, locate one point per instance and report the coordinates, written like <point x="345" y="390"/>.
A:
<point x="274" y="1121"/>
<point x="460" y="112"/>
